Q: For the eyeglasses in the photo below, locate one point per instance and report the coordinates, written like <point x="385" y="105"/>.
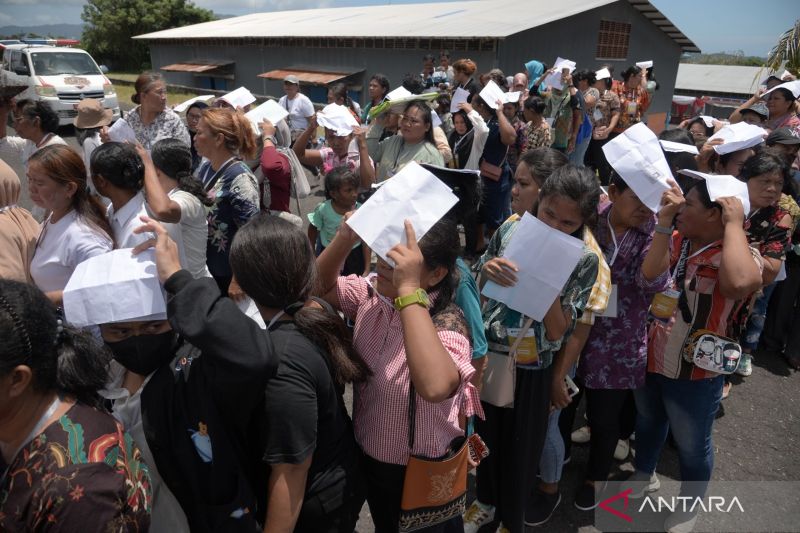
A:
<point x="159" y="92"/>
<point x="410" y="120"/>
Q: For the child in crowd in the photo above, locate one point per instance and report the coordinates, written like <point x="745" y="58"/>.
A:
<point x="341" y="191"/>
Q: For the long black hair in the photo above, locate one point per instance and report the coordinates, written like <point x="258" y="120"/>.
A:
<point x="274" y="264"/>
<point x="440" y="247"/>
<point x="174" y="159"/>
<point x="119" y="164"/>
<point x="63" y="359"/>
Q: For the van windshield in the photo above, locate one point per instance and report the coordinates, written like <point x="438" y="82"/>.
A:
<point x="61" y="63"/>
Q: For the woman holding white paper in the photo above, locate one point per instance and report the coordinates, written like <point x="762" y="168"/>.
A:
<point x="567" y="203"/>
<point x="408" y="339"/>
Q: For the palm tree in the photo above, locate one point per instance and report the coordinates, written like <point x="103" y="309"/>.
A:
<point x="786" y="52"/>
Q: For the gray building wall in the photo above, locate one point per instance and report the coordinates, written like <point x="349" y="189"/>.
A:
<point x="574" y="37"/>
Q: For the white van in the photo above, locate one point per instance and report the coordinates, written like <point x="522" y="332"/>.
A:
<point x="59" y="76"/>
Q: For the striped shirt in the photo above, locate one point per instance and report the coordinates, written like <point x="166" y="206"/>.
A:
<point x="711" y="310"/>
<point x="380" y="409"/>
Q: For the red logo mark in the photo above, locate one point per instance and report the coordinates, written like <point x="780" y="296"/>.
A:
<point x="624" y="496"/>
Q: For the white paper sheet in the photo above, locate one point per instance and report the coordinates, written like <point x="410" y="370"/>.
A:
<point x="459" y="96"/>
<point x="602" y="74"/>
<point x="636" y="155"/>
<point x="722" y="186"/>
<point x="791" y="86"/>
<point x="738" y="137"/>
<point x="121" y="132"/>
<point x="708" y="121"/>
<point x="644" y="64"/>
<point x="183" y="106"/>
<point x="239" y="98"/>
<point x="491" y="93"/>
<point x="670" y="146"/>
<point x="114" y="287"/>
<point x="414" y="194"/>
<point x="554" y="79"/>
<point x="269" y="110"/>
<point x="546" y="258"/>
<point x="400" y="92"/>
<point x="248" y="307"/>
<point x="337" y="118"/>
<point x="436" y="121"/>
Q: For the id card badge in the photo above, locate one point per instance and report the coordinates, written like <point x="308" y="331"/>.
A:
<point x="597" y="115"/>
<point x="663" y="304"/>
<point x="611" y="308"/>
<point x="526" y="351"/>
<point x="631" y="107"/>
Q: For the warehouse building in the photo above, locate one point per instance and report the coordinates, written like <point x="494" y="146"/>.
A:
<point x="349" y="44"/>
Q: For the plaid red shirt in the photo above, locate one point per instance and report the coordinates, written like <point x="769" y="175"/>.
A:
<point x="380" y="410"/>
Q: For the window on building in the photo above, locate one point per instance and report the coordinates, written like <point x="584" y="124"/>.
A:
<point x="612" y="40"/>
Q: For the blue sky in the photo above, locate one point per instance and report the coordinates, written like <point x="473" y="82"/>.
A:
<point x="714" y="25"/>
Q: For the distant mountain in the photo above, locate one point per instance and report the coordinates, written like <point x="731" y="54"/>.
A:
<point x="67" y="31"/>
<point x="725" y="58"/>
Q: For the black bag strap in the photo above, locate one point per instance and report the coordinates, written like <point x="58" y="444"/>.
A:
<point x="412" y="413"/>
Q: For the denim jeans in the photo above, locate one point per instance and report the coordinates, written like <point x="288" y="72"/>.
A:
<point x="755" y="322"/>
<point x="688" y="407"/>
<point x="577" y="156"/>
<point x="552" y="460"/>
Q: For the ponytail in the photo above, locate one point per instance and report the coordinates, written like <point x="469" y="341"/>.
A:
<point x="174" y="159"/>
<point x="62" y="359"/>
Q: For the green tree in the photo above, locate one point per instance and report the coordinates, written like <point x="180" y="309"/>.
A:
<point x="110" y="24"/>
<point x="787" y="50"/>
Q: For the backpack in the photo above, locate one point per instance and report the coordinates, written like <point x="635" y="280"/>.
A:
<point x="300" y="187"/>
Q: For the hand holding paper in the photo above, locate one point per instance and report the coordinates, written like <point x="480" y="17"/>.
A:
<point x="269" y="110"/>
<point x="337" y="118"/>
<point x="408" y="262"/>
<point x="738" y="136"/>
<point x="239" y="98"/>
<point x="459" y="96"/>
<point x="414" y="194"/>
<point x="546" y="258"/>
<point x="722" y="186"/>
<point x="637" y="157"/>
<point x="554" y="79"/>
<point x="121" y="132"/>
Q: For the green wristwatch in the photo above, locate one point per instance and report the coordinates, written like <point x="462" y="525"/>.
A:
<point x="419" y="296"/>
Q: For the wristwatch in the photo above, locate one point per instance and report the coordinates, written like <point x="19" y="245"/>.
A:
<point x="271" y="138"/>
<point x="419" y="296"/>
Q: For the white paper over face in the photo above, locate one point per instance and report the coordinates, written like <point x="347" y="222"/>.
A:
<point x="121" y="132"/>
<point x="723" y="186"/>
<point x="414" y="194"/>
<point x="546" y="258"/>
<point x="636" y="155"/>
<point x="269" y="110"/>
<point x="491" y="94"/>
<point x="337" y="118"/>
<point x="460" y="96"/>
<point x="114" y="287"/>
<point x="554" y="80"/>
<point x="183" y="106"/>
<point x="738" y="136"/>
<point x="240" y="97"/>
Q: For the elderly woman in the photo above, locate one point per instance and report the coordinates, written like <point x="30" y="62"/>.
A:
<point x="70" y="466"/>
<point x="18" y="229"/>
<point x="35" y="123"/>
<point x="414" y="142"/>
<point x="152" y="120"/>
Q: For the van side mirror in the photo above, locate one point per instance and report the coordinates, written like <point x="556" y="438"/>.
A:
<point x="22" y="70"/>
<point x="104" y="69"/>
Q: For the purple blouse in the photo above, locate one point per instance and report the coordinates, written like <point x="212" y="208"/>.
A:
<point x="615" y="356"/>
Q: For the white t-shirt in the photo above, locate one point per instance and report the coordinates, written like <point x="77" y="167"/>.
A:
<point x="62" y="246"/>
<point x="299" y="108"/>
<point x="25" y="148"/>
<point x="194" y="229"/>
<point x="124" y="221"/>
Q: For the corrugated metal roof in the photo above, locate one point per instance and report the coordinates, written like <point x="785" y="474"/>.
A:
<point x="719" y="78"/>
<point x="473" y="19"/>
<point x="312" y="77"/>
<point x="196" y="66"/>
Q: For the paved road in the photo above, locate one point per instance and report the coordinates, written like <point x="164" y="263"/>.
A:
<point x="757" y="438"/>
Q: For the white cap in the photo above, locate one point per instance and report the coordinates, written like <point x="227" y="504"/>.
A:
<point x="722" y="186"/>
<point x="114" y="287"/>
<point x="739" y="136"/>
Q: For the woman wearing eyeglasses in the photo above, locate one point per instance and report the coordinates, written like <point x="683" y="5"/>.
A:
<point x="414" y="142"/>
<point x="152" y="120"/>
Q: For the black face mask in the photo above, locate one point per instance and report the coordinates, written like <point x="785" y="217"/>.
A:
<point x="144" y="354"/>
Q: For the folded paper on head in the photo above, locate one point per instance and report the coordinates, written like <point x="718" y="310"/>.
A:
<point x="414" y="194"/>
<point x="183" y="106"/>
<point x="239" y="98"/>
<point x="269" y="110"/>
<point x="636" y="155"/>
<point x="791" y="86"/>
<point x="546" y="258"/>
<point x="337" y="118"/>
<point x="670" y="146"/>
<point x="739" y="136"/>
<point x="602" y="74"/>
<point x="723" y="186"/>
<point x="644" y="64"/>
<point x="114" y="287"/>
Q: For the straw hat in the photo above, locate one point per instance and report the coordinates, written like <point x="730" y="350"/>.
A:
<point x="92" y="115"/>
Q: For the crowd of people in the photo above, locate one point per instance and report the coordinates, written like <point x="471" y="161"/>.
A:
<point x="176" y="347"/>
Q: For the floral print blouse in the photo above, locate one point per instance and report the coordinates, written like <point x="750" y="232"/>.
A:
<point x="615" y="356"/>
<point x="167" y="125"/>
<point x="633" y="104"/>
<point x="607" y="104"/>
<point x="82" y="473"/>
<point x="536" y="136"/>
